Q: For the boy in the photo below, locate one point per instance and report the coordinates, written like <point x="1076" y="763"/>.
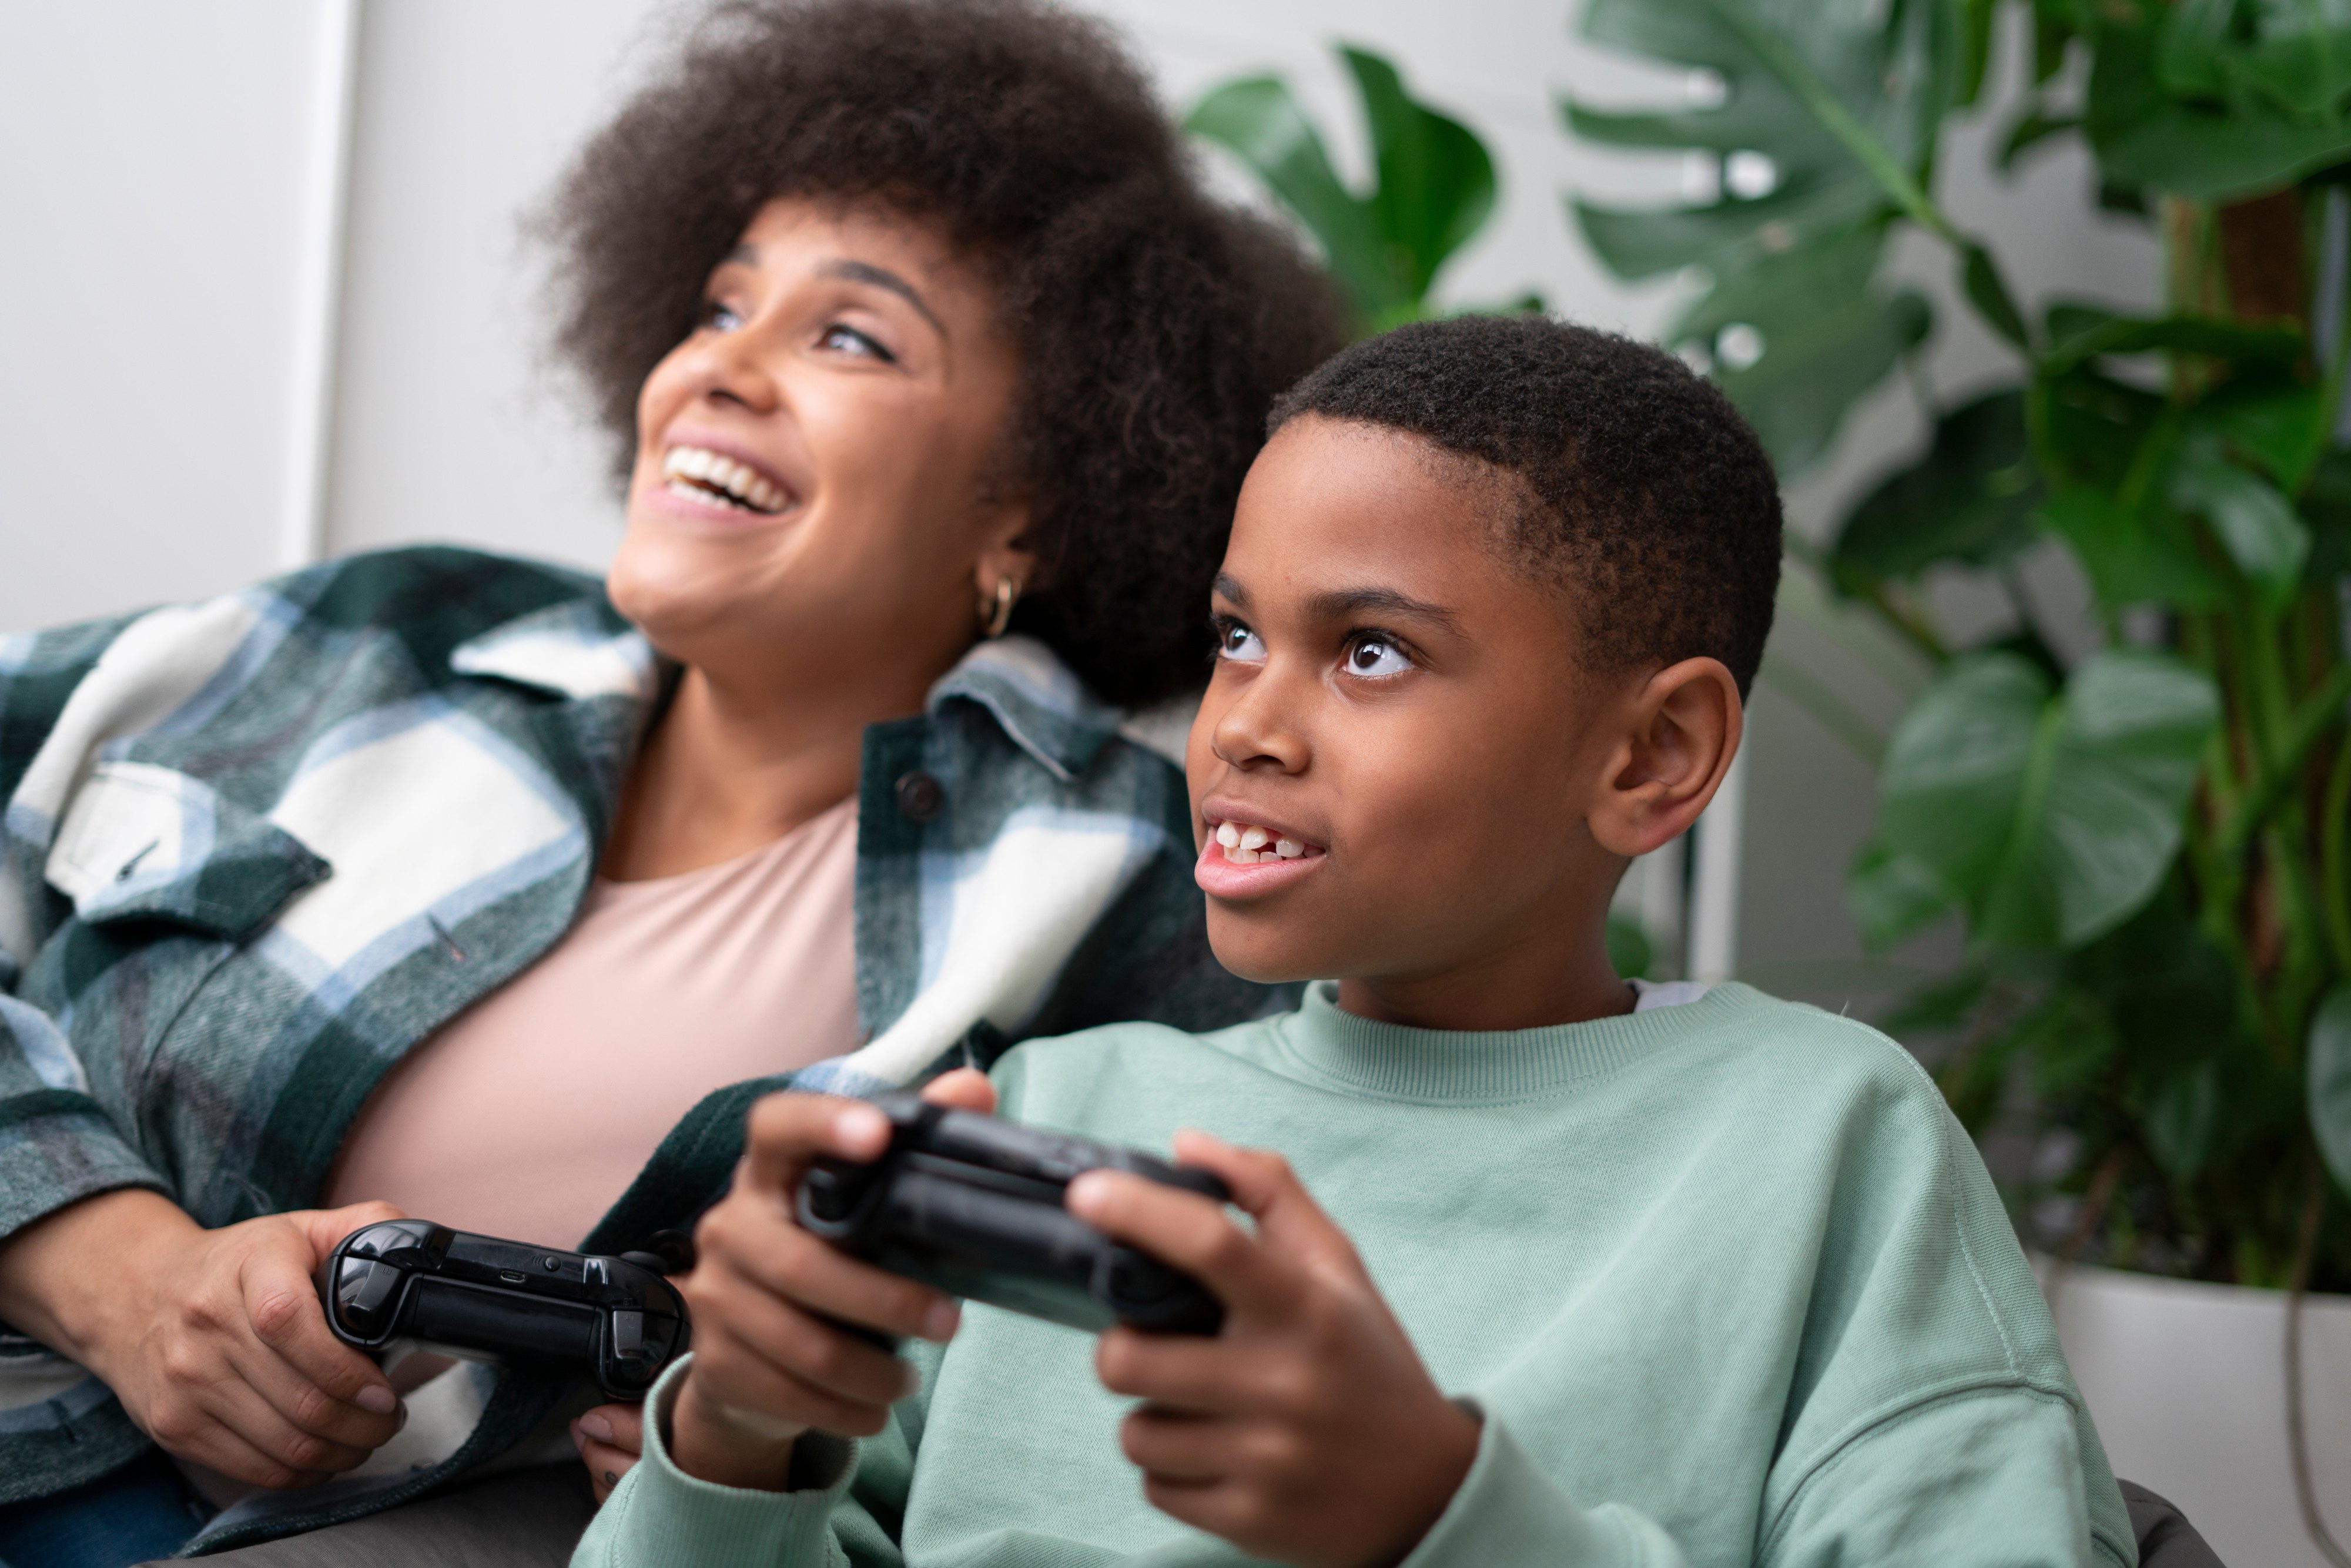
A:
<point x="1562" y="1275"/>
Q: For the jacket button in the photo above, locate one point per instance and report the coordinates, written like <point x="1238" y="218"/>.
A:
<point x="920" y="796"/>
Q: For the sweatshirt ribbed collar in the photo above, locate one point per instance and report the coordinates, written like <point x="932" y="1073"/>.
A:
<point x="1470" y="1065"/>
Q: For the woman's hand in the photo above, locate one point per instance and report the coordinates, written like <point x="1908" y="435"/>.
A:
<point x="772" y="1358"/>
<point x="213" y="1340"/>
<point x="1307" y="1431"/>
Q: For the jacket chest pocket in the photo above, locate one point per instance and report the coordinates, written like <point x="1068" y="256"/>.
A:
<point x="143" y="842"/>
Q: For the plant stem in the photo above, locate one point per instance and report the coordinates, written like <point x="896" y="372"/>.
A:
<point x="2334" y="884"/>
<point x="2275" y="776"/>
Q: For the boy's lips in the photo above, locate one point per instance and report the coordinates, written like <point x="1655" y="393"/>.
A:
<point x="1242" y="859"/>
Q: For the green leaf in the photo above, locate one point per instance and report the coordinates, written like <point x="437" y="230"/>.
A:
<point x="2256" y="524"/>
<point x="2079" y="334"/>
<point x="1436" y="178"/>
<point x="2032" y="128"/>
<point x="1971" y="498"/>
<point x="1262" y="124"/>
<point x="1812" y="371"/>
<point x="2054" y="816"/>
<point x="1892" y="896"/>
<point x="2274" y="420"/>
<point x="2329" y="1065"/>
<point x="2146" y="134"/>
<point x="1628" y="948"/>
<point x="2180" y="1120"/>
<point x="2133" y="558"/>
<point x="2127" y="753"/>
<point x="1955" y="766"/>
<point x="1988" y="292"/>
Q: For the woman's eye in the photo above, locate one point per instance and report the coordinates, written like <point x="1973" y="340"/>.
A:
<point x="720" y="317"/>
<point x="1239" y="643"/>
<point x="849" y="341"/>
<point x="1375" y="657"/>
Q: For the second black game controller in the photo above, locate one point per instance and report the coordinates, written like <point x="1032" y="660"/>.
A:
<point x="973" y="1206"/>
<point x="616" y="1320"/>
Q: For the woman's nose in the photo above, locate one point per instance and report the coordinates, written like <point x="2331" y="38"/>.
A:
<point x="732" y="367"/>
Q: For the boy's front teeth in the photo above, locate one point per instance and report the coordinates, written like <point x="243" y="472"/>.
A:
<point x="1246" y="846"/>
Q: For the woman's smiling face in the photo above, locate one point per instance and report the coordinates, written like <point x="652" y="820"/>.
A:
<point x="814" y="462"/>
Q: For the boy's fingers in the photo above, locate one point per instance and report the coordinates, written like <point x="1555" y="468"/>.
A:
<point x="965" y="1089"/>
<point x="1187" y="1231"/>
<point x="786" y="1131"/>
<point x="1265" y="1187"/>
<point x="787" y="1262"/>
<point x="326" y="1227"/>
<point x="1177" y="1445"/>
<point x="795" y="1340"/>
<point x="1184" y="1372"/>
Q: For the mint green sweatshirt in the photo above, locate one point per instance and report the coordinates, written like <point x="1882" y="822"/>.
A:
<point x="1727" y="1280"/>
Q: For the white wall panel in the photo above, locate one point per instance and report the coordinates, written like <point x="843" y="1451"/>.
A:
<point x="150" y="193"/>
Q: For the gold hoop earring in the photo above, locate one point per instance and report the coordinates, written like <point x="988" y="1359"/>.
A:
<point x="994" y="617"/>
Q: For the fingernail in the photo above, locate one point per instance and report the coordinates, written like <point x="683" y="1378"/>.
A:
<point x="597" y="1427"/>
<point x="378" y="1399"/>
<point x="939" y="1323"/>
<point x="1079" y="1196"/>
<point x="861" y="1124"/>
<point x="579" y="1443"/>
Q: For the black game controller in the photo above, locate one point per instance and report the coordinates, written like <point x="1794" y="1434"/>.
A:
<point x="616" y="1319"/>
<point x="973" y="1206"/>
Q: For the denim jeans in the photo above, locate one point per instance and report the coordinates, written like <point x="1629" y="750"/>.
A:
<point x="142" y="1511"/>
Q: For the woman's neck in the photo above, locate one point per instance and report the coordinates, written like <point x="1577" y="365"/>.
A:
<point x="727" y="771"/>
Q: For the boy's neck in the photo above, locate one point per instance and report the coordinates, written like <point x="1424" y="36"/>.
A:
<point x="1533" y="985"/>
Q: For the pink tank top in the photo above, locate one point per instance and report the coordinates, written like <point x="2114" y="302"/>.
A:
<point x="528" y="1114"/>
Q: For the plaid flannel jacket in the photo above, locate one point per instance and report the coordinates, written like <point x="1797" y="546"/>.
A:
<point x="255" y="849"/>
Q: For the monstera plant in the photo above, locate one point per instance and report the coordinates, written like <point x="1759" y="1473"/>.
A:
<point x="2146" y="842"/>
<point x="1433" y="183"/>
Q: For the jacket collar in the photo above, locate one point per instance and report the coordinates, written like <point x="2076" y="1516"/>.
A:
<point x="1037" y="699"/>
<point x="584" y="649"/>
<point x="580" y="648"/>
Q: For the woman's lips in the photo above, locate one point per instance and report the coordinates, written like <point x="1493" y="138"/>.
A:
<point x="1220" y="877"/>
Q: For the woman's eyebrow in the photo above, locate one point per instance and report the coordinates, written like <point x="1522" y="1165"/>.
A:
<point x="882" y="277"/>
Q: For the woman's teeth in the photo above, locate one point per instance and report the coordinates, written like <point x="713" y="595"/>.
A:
<point x="702" y="475"/>
<point x="1246" y="846"/>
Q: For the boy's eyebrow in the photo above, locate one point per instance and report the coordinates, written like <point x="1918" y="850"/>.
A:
<point x="1350" y="601"/>
<point x="1229" y="587"/>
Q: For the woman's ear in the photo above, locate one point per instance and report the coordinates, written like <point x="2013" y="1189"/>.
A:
<point x="1680" y="731"/>
<point x="1005" y="551"/>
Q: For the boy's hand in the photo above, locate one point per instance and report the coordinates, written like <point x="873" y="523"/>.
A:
<point x="1307" y="1431"/>
<point x="772" y="1359"/>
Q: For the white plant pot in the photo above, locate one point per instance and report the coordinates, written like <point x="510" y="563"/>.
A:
<point x="2187" y="1383"/>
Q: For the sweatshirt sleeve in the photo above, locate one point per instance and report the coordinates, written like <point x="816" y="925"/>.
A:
<point x="1985" y="1475"/>
<point x="660" y="1517"/>
<point x="1508" y="1511"/>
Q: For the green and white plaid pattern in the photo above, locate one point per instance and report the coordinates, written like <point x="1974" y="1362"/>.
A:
<point x="255" y="849"/>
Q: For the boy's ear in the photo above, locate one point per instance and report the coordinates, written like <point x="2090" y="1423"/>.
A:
<point x="1681" y="729"/>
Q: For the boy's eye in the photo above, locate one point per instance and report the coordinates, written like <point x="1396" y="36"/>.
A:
<point x="1375" y="657"/>
<point x="720" y="317"/>
<point x="1239" y="643"/>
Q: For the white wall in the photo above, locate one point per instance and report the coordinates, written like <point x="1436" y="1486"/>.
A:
<point x="151" y="301"/>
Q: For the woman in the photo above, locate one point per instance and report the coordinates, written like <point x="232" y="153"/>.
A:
<point x="436" y="880"/>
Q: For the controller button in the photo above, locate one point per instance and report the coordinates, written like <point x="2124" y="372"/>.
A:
<point x="628" y="1336"/>
<point x="920" y="796"/>
<point x="551" y="1265"/>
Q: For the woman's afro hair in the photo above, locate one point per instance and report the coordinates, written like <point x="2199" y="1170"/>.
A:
<point x="1154" y="325"/>
<point x="1641" y="490"/>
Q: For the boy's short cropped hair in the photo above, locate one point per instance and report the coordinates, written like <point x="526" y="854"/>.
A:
<point x="1642" y="490"/>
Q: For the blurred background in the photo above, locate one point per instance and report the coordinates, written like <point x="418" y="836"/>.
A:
<point x="268" y="295"/>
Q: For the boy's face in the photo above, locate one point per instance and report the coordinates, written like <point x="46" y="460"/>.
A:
<point x="1402" y="715"/>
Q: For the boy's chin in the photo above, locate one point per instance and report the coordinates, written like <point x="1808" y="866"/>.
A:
<point x="1269" y="957"/>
